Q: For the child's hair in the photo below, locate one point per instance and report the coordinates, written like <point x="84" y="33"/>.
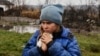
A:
<point x="41" y="31"/>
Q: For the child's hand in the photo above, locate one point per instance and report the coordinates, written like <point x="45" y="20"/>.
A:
<point x="44" y="47"/>
<point x="46" y="38"/>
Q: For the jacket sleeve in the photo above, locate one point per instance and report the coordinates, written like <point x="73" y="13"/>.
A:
<point x="31" y="49"/>
<point x="72" y="49"/>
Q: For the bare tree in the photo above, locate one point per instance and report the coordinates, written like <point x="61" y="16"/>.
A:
<point x="40" y="4"/>
<point x="46" y="1"/>
<point x="51" y="1"/>
<point x="81" y="1"/>
<point x="23" y="2"/>
<point x="17" y="2"/>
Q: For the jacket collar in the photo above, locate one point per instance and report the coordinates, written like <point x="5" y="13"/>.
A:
<point x="65" y="32"/>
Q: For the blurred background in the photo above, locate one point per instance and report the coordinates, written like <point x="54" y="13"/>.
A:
<point x="19" y="19"/>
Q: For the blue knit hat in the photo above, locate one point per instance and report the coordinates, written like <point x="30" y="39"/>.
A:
<point x="52" y="13"/>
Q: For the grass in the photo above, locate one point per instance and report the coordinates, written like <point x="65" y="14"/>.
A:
<point x="11" y="43"/>
<point x="89" y="44"/>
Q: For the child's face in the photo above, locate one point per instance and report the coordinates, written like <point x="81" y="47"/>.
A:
<point x="48" y="26"/>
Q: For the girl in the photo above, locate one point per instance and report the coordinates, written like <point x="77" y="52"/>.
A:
<point x="52" y="39"/>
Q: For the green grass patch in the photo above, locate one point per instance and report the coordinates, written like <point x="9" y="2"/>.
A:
<point x="11" y="43"/>
<point x="89" y="44"/>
